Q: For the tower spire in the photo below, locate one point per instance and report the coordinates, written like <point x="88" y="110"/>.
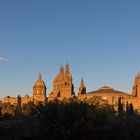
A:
<point x="61" y="70"/>
<point x="67" y="70"/>
<point x="39" y="76"/>
<point x="82" y="83"/>
<point x="82" y="88"/>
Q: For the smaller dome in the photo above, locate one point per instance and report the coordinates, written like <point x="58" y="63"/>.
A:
<point x="39" y="82"/>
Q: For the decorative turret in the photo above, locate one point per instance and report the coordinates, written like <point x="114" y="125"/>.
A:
<point x="82" y="83"/>
<point x="67" y="69"/>
<point x="82" y="88"/>
<point x="62" y="70"/>
<point x="62" y="85"/>
<point x="39" y="89"/>
<point x="136" y="87"/>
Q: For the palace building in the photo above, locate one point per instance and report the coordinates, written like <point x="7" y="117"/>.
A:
<point x="112" y="96"/>
<point x="63" y="88"/>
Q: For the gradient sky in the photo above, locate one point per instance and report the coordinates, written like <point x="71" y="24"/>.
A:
<point x="100" y="39"/>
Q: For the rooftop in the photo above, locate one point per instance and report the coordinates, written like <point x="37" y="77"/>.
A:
<point x="107" y="90"/>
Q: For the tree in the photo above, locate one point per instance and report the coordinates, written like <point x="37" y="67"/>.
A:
<point x="120" y="108"/>
<point x="127" y="108"/>
<point x="28" y="109"/>
<point x="18" y="107"/>
<point x="131" y="109"/>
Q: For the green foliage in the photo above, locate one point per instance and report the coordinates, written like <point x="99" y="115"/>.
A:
<point x="8" y="109"/>
<point x="28" y="109"/>
<point x="18" y="107"/>
<point x="120" y="108"/>
<point x="129" y="109"/>
<point x="69" y="119"/>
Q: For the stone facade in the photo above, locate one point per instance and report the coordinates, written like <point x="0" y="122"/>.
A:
<point x="62" y="85"/>
<point x="136" y="87"/>
<point x="14" y="100"/>
<point x="63" y="88"/>
<point x="111" y="96"/>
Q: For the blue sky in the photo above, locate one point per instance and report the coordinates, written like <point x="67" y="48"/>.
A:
<point x="99" y="38"/>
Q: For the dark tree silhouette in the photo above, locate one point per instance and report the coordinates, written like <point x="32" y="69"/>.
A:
<point x="120" y="108"/>
<point x="18" y="107"/>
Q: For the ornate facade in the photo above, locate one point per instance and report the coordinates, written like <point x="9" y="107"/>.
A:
<point x="63" y="88"/>
<point x="112" y="96"/>
<point x="62" y="85"/>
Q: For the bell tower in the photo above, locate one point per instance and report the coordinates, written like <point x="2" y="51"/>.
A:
<point x="136" y="87"/>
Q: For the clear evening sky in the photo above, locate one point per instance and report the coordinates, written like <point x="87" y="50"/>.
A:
<point x="100" y="39"/>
